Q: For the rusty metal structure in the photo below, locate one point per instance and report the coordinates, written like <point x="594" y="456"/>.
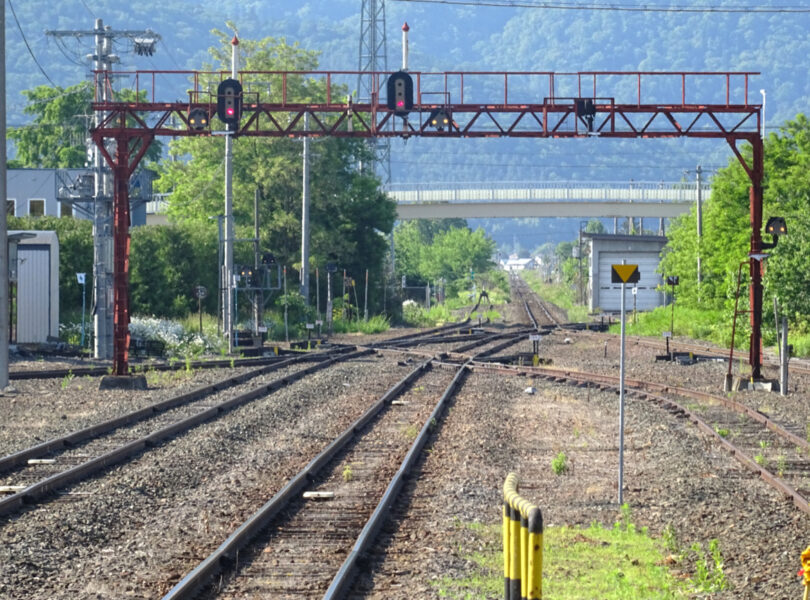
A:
<point x="604" y="104"/>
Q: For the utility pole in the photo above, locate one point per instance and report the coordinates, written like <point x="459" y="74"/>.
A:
<point x="228" y="316"/>
<point x="258" y="295"/>
<point x="699" y="172"/>
<point x="305" y="219"/>
<point x="4" y="303"/>
<point x="144" y="42"/>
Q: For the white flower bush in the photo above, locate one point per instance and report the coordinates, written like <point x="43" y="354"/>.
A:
<point x="179" y="342"/>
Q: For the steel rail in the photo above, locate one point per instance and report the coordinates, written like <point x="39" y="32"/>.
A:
<point x="639" y="385"/>
<point x="651" y="390"/>
<point x="714" y="351"/>
<point x="42" y="488"/>
<point x="152" y="366"/>
<point x="514" y="337"/>
<point x="227" y="551"/>
<point x="345" y="575"/>
<point x="71" y="439"/>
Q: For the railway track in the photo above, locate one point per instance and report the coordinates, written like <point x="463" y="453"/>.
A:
<point x="32" y="474"/>
<point x="301" y="546"/>
<point x="296" y="545"/>
<point x="528" y="297"/>
<point x="775" y="452"/>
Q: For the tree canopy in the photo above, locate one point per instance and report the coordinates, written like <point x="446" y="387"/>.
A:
<point x="431" y="250"/>
<point x="725" y="242"/>
<point x="57" y="136"/>
<point x="348" y="211"/>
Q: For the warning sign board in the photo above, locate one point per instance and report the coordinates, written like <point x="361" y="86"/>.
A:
<point x="624" y="274"/>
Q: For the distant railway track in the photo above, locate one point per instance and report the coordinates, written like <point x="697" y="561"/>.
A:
<point x="528" y="297"/>
<point x="777" y="453"/>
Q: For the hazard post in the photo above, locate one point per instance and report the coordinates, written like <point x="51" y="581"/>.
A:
<point x="622" y="274"/>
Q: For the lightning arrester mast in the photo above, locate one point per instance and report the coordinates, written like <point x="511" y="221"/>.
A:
<point x="405" y="30"/>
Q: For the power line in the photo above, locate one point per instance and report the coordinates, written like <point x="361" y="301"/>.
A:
<point x="619" y="7"/>
<point x="92" y="14"/>
<point x="25" y="41"/>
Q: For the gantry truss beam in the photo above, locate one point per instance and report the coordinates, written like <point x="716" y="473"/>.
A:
<point x="482" y="104"/>
<point x="616" y="105"/>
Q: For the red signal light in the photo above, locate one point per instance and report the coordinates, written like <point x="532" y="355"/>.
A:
<point x="229" y="111"/>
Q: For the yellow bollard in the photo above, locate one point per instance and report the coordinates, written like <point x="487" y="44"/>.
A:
<point x="522" y="544"/>
<point x="535" y="551"/>
<point x="806" y="571"/>
<point x="514" y="552"/>
<point x="524" y="541"/>
<point x="506" y="548"/>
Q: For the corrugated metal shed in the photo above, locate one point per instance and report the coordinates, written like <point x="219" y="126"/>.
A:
<point x="641" y="250"/>
<point x="37" y="275"/>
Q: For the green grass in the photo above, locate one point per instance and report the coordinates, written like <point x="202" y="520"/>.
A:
<point x="559" y="464"/>
<point x="709" y="325"/>
<point x="702" y="324"/>
<point x="610" y="563"/>
<point x="375" y="324"/>
<point x="616" y="563"/>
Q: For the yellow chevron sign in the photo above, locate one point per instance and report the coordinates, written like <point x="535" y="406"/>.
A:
<point x="624" y="274"/>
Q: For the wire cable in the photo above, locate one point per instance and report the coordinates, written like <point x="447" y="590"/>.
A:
<point x="25" y="41"/>
<point x="619" y="7"/>
<point x="92" y="14"/>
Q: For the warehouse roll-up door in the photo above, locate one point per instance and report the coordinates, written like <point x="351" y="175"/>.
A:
<point x="647" y="297"/>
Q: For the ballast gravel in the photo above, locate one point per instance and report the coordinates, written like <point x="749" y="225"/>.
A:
<point x="135" y="530"/>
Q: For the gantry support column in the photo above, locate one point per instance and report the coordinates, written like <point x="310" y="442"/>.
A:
<point x="755" y="172"/>
<point x="123" y="165"/>
<point x="121" y="173"/>
<point x="756" y="260"/>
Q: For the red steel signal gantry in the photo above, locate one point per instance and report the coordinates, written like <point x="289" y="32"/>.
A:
<point x="603" y="104"/>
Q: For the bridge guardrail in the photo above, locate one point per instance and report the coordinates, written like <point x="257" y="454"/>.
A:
<point x="547" y="191"/>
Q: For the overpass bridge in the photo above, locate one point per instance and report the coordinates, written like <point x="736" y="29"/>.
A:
<point x="577" y="199"/>
<point x="547" y="199"/>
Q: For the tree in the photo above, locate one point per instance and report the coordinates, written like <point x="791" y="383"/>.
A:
<point x="166" y="263"/>
<point x="455" y="254"/>
<point x="57" y="137"/>
<point x="411" y="238"/>
<point x="726" y="235"/>
<point x="348" y="211"/>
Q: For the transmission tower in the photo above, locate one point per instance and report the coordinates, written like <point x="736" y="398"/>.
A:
<point x="373" y="57"/>
<point x="103" y="58"/>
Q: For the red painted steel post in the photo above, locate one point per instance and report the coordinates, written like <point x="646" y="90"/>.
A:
<point x="121" y="173"/>
<point x="755" y="196"/>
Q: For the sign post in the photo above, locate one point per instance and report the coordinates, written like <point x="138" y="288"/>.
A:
<point x="623" y="274"/>
<point x="200" y="292"/>
<point x="81" y="278"/>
